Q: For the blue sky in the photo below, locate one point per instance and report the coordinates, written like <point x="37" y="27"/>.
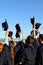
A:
<point x="20" y="11"/>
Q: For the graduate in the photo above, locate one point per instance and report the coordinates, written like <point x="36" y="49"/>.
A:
<point x="4" y="53"/>
<point x="39" y="58"/>
<point x="20" y="45"/>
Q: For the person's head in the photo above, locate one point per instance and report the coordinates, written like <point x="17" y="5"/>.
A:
<point x="29" y="40"/>
<point x="1" y="46"/>
<point x="41" y="38"/>
<point x="11" y="44"/>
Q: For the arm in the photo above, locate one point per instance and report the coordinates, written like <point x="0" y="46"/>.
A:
<point x="20" y="34"/>
<point x="6" y="38"/>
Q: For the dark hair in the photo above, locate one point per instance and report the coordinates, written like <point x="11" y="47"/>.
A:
<point x="29" y="40"/>
<point x="41" y="36"/>
<point x="11" y="41"/>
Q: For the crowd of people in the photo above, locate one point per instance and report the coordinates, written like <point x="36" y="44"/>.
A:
<point x="29" y="52"/>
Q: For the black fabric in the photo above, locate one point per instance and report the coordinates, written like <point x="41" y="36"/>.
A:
<point x="18" y="52"/>
<point x="39" y="57"/>
<point x="29" y="54"/>
<point x="37" y="25"/>
<point x="5" y="56"/>
<point x="5" y="25"/>
<point x="18" y="29"/>
<point x="32" y="20"/>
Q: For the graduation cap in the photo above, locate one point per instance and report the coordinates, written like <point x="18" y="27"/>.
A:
<point x="10" y="33"/>
<point x="35" y="32"/>
<point x="18" y="29"/>
<point x="37" y="25"/>
<point x="32" y="20"/>
<point x="41" y="36"/>
<point x="5" y="25"/>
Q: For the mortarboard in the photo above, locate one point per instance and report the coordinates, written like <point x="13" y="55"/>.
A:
<point x="32" y="20"/>
<point x="18" y="29"/>
<point x="35" y="32"/>
<point x="5" y="25"/>
<point x="10" y="33"/>
<point x="37" y="25"/>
